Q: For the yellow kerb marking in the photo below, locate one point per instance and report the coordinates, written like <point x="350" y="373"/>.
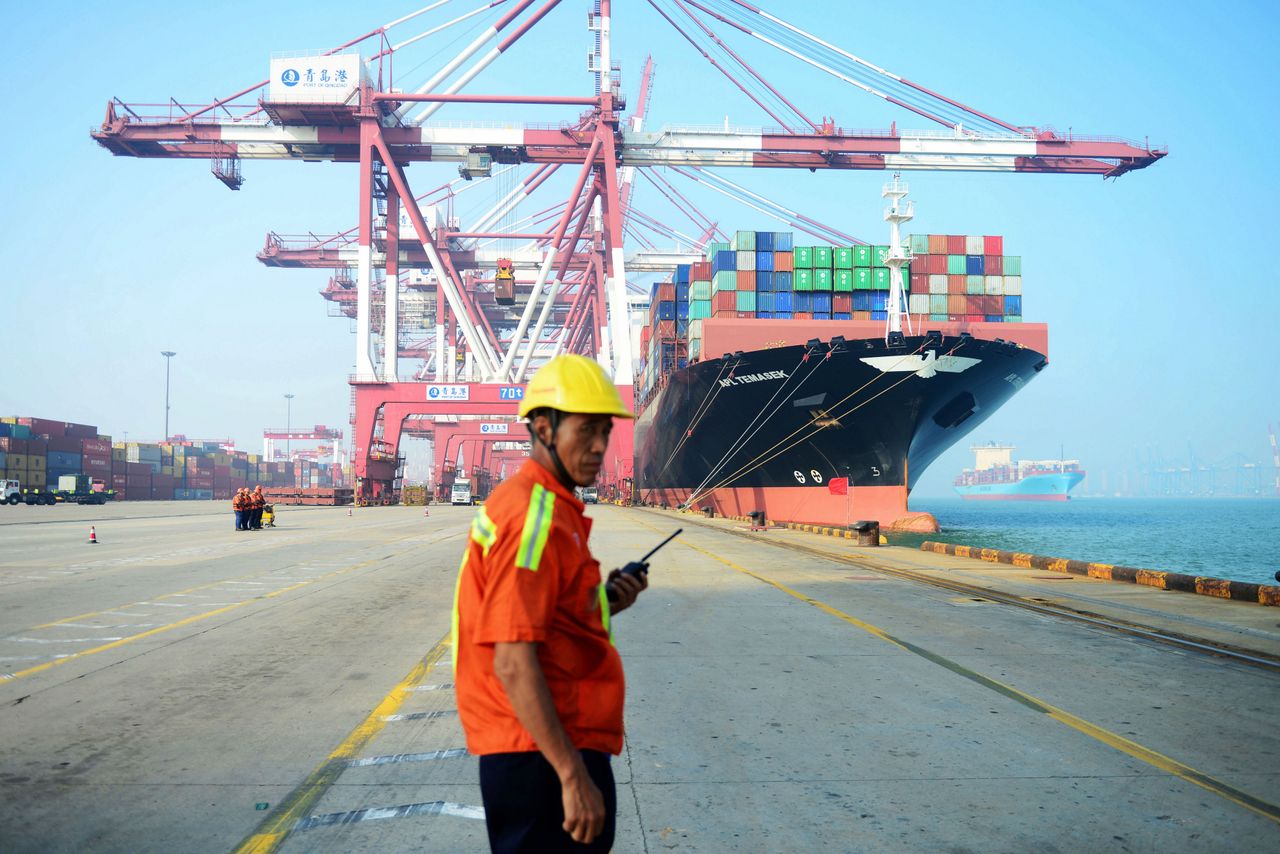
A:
<point x="1150" y="578"/>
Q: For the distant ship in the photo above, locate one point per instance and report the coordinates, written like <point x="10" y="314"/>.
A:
<point x="995" y="476"/>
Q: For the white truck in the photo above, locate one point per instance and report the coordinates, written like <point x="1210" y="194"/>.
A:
<point x="72" y="489"/>
<point x="460" y="493"/>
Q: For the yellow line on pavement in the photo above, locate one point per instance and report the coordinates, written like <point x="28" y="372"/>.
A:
<point x="9" y="677"/>
<point x="272" y="832"/>
<point x="1105" y="736"/>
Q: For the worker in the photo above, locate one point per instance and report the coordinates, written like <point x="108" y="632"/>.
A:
<point x="538" y="682"/>
<point x="256" y="502"/>
<point x="240" y="507"/>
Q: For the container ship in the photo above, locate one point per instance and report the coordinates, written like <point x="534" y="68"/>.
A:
<point x="817" y="383"/>
<point x="995" y="476"/>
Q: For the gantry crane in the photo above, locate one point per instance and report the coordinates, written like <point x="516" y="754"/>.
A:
<point x="332" y="107"/>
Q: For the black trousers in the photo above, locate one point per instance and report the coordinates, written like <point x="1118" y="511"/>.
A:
<point x="523" y="808"/>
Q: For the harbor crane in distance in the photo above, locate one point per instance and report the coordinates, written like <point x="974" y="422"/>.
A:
<point x="576" y="264"/>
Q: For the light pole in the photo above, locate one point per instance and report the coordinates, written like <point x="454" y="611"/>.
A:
<point x="168" y="358"/>
<point x="288" y="425"/>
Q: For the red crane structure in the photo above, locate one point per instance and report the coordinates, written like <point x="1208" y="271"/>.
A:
<point x="568" y="261"/>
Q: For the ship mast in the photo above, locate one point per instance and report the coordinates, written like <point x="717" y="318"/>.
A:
<point x="897" y="213"/>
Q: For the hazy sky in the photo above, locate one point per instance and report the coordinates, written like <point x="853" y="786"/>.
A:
<point x="1159" y="287"/>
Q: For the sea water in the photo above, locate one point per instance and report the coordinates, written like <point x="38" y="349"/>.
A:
<point x="1237" y="539"/>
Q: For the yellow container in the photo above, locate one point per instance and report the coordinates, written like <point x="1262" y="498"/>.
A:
<point x="36" y="463"/>
<point x="118" y="453"/>
<point x="18" y="461"/>
<point x="166" y="470"/>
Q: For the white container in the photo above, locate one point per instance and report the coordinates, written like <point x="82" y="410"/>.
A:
<point x="918" y="304"/>
<point x="937" y="283"/>
<point x="974" y="244"/>
<point x="994" y="286"/>
<point x="315" y="79"/>
<point x="746" y="259"/>
<point x="1013" y="286"/>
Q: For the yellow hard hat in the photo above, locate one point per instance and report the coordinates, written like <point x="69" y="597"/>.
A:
<point x="572" y="383"/>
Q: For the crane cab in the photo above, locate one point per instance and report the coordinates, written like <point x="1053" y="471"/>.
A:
<point x="504" y="283"/>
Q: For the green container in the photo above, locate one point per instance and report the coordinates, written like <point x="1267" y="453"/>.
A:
<point x="975" y="285"/>
<point x="1013" y="318"/>
<point x="843" y="280"/>
<point x="1013" y="265"/>
<point x="822" y="257"/>
<point x="699" y="309"/>
<point x="938" y="304"/>
<point x="802" y="257"/>
<point x="919" y="244"/>
<point x="842" y="257"/>
<point x="803" y="280"/>
<point x="699" y="290"/>
<point x="957" y="265"/>
<point x="862" y="278"/>
<point x="822" y="280"/>
<point x="936" y="316"/>
<point x="880" y="278"/>
<point x="746" y="301"/>
<point x="725" y="280"/>
<point x="744" y="241"/>
<point x="878" y="254"/>
<point x="862" y="256"/>
<point x="713" y="248"/>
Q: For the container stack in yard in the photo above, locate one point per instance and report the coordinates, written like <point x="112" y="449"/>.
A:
<point x="36" y="452"/>
<point x="763" y="274"/>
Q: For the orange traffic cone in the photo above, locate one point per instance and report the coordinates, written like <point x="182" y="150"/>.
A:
<point x="93" y="536"/>
<point x="426" y="512"/>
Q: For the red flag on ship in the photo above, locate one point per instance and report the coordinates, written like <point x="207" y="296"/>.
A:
<point x="838" y="486"/>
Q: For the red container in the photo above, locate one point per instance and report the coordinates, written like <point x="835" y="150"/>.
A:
<point x="862" y="315"/>
<point x="95" y="446"/>
<point x="163" y="493"/>
<point x="992" y="245"/>
<point x="80" y="431"/>
<point x="64" y="445"/>
<point x="802" y="315"/>
<point x="991" y="304"/>
<point x="956" y="284"/>
<point x="221" y="494"/>
<point x="919" y="283"/>
<point x="96" y="466"/>
<point x="842" y="302"/>
<point x="955" y="318"/>
<point x="666" y="292"/>
<point x="138" y="481"/>
<point x="937" y="244"/>
<point x="955" y="244"/>
<point x="746" y="280"/>
<point x="200" y="481"/>
<point x="700" y="272"/>
<point x="957" y="305"/>
<point x="665" y="329"/>
<point x="783" y="262"/>
<point x="975" y="318"/>
<point x="138" y="468"/>
<point x="118" y="481"/>
<point x="161" y="480"/>
<point x="13" y="446"/>
<point x="644" y="337"/>
<point x="221" y="471"/>
<point x="724" y="301"/>
<point x="729" y="313"/>
<point x="993" y="265"/>
<point x="37" y="447"/>
<point x="936" y="265"/>
<point x="45" y="427"/>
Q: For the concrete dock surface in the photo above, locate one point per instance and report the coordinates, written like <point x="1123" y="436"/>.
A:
<point x="185" y="687"/>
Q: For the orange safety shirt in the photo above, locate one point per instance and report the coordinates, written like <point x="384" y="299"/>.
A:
<point x="527" y="575"/>
<point x="256" y="500"/>
<point x="238" y="502"/>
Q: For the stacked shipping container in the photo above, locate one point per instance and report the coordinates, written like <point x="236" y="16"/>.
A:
<point x="763" y="274"/>
<point x="37" y="451"/>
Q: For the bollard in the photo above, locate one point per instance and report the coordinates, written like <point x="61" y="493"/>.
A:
<point x="868" y="532"/>
<point x="757" y="519"/>
<point x="709" y="512"/>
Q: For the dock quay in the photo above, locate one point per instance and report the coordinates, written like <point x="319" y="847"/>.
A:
<point x="185" y="687"/>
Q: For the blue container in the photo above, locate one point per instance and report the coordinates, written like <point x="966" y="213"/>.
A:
<point x="783" y="241"/>
<point x="764" y="242"/>
<point x="803" y="301"/>
<point x="5" y="429"/>
<point x="1012" y="305"/>
<point x="862" y="300"/>
<point x="995" y="318"/>
<point x="973" y="265"/>
<point x="879" y="315"/>
<point x="682" y="291"/>
<point x="764" y="281"/>
<point x="682" y="311"/>
<point x="666" y="310"/>
<point x="682" y="273"/>
<point x="725" y="259"/>
<point x="783" y="281"/>
<point x="682" y="327"/>
<point x="879" y="301"/>
<point x="765" y="301"/>
<point x="21" y="431"/>
<point x="763" y="315"/>
<point x="64" y="461"/>
<point x="822" y="315"/>
<point x="784" y="301"/>
<point x="782" y="315"/>
<point x="764" y="260"/>
<point x="822" y="302"/>
<point x="842" y="315"/>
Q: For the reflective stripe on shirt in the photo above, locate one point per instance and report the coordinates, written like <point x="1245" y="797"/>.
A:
<point x="537" y="527"/>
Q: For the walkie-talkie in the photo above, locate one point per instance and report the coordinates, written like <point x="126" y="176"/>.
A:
<point x="641" y="567"/>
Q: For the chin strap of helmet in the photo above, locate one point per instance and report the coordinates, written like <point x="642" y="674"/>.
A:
<point x="554" y="416"/>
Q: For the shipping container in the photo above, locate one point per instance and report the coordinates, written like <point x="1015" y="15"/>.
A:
<point x="744" y="241"/>
<point x="822" y="257"/>
<point x="803" y="258"/>
<point x="995" y="285"/>
<point x="1012" y="265"/>
<point x="842" y="258"/>
<point x="957" y="284"/>
<point x="862" y="255"/>
<point x="822" y="279"/>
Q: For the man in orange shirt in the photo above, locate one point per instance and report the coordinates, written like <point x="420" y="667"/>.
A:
<point x="256" y="502"/>
<point x="539" y="684"/>
<point x="239" y="505"/>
